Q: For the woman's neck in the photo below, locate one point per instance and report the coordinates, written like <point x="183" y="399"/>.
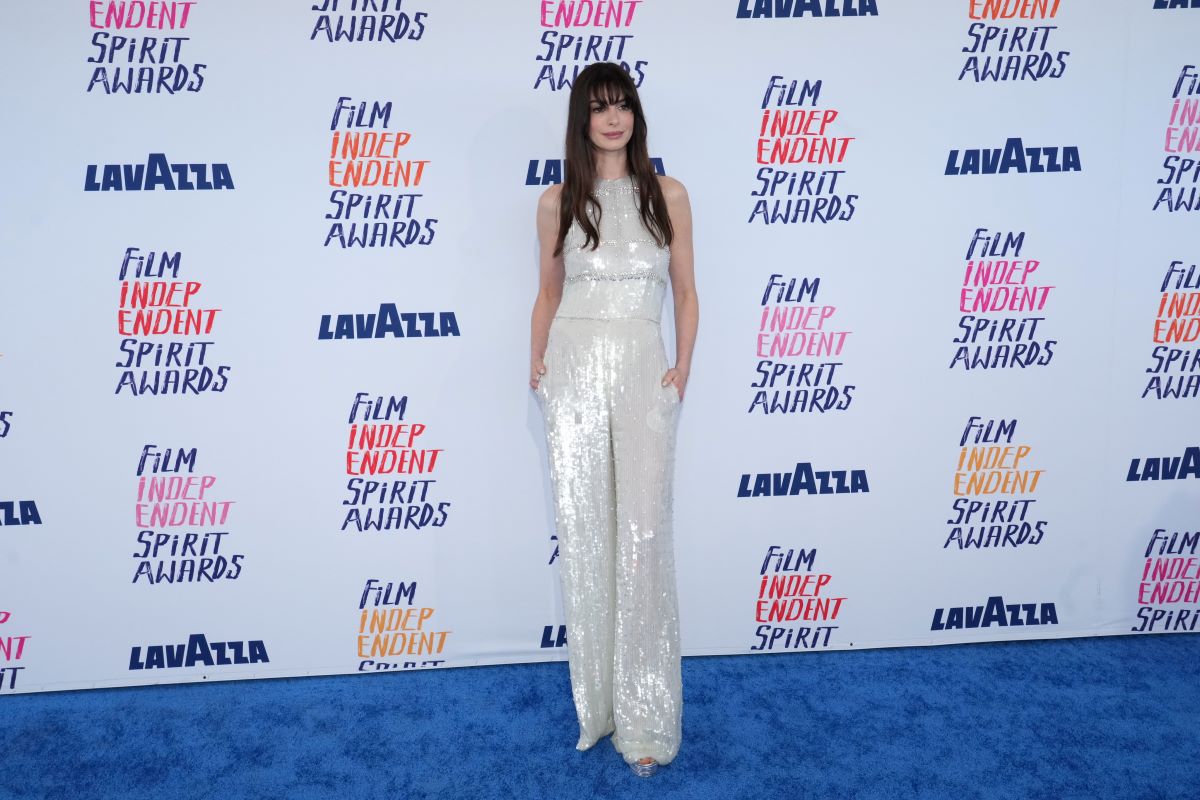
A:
<point x="610" y="166"/>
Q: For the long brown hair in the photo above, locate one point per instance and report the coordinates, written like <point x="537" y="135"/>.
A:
<point x="610" y="84"/>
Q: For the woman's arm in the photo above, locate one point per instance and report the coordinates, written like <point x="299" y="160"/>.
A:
<point x="550" y="281"/>
<point x="683" y="282"/>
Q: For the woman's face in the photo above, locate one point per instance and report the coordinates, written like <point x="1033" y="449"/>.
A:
<point x="611" y="124"/>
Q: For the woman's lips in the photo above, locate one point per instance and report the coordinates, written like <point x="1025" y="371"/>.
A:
<point x="616" y="135"/>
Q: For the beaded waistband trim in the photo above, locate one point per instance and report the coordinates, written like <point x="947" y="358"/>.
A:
<point x="607" y="319"/>
<point x="614" y="276"/>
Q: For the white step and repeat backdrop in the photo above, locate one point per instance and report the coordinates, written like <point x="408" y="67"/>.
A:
<point x="267" y="277"/>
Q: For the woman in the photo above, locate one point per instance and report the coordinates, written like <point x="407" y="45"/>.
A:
<point x="610" y="236"/>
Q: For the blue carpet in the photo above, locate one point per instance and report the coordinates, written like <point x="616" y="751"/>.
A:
<point x="1111" y="717"/>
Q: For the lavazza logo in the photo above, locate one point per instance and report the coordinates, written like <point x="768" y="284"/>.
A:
<point x="1014" y="156"/>
<point x="994" y="613"/>
<point x="388" y="322"/>
<point x="775" y="9"/>
<point x="197" y="651"/>
<point x="19" y="512"/>
<point x="803" y="480"/>
<point x="157" y="173"/>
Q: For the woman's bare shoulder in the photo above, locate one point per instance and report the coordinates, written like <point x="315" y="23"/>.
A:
<point x="672" y="188"/>
<point x="548" y="201"/>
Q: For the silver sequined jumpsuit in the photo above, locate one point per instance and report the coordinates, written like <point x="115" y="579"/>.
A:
<point x="610" y="426"/>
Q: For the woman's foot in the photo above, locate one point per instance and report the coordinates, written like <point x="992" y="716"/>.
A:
<point x="644" y="767"/>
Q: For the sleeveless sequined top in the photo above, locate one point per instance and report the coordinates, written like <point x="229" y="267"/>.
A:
<point x="626" y="276"/>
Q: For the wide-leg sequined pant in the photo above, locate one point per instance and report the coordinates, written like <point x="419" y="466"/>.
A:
<point x="610" y="426"/>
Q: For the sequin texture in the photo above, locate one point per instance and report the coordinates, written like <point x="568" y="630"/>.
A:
<point x="610" y="427"/>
